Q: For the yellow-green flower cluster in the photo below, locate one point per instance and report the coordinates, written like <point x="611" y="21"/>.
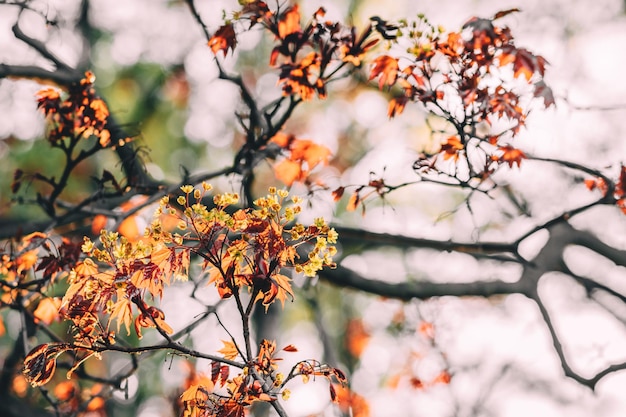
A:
<point x="115" y="248"/>
<point x="199" y="223"/>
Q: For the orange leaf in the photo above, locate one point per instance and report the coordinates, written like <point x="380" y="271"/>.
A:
<point x="338" y="193"/>
<point x="288" y="171"/>
<point x="416" y="383"/>
<point x="290" y="348"/>
<point x="350" y="402"/>
<point x="122" y="312"/>
<point x="387" y="68"/>
<point x="289" y="22"/>
<point x="312" y="153"/>
<point x="357" y="337"/>
<point x="451" y="148"/>
<point x="40" y="363"/>
<point x="590" y="184"/>
<point x="503" y="13"/>
<point x="282" y="139"/>
<point x="229" y="351"/>
<point x="283" y="287"/>
<point x="396" y="106"/>
<point x="511" y="155"/>
<point x="353" y="202"/>
<point x="48" y="310"/>
<point x="86" y="268"/>
<point x="223" y="39"/>
<point x="198" y="393"/>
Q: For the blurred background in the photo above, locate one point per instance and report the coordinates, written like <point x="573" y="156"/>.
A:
<point x="441" y="357"/>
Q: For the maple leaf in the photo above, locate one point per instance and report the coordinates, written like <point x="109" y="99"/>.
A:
<point x="524" y="62"/>
<point x="301" y="151"/>
<point x="302" y="77"/>
<point x="349" y="402"/>
<point x="282" y="286"/>
<point x="196" y="396"/>
<point x="542" y="90"/>
<point x="289" y="22"/>
<point x="219" y="373"/>
<point x="48" y="310"/>
<point x="511" y="155"/>
<point x="256" y="11"/>
<point x="40" y="363"/>
<point x="48" y="100"/>
<point x="396" y="106"/>
<point x="354" y="201"/>
<point x="122" y="312"/>
<point x="451" y="148"/>
<point x="223" y="39"/>
<point x="312" y="153"/>
<point x="387" y="68"/>
<point x="338" y="193"/>
<point x="229" y="351"/>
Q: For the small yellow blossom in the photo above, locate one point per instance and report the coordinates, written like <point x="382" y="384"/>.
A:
<point x="87" y="245"/>
<point x="286" y="394"/>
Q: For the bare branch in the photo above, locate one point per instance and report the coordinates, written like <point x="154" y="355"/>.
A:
<point x="421" y="290"/>
<point x="63" y="77"/>
<point x="39" y="47"/>
<point x="558" y="347"/>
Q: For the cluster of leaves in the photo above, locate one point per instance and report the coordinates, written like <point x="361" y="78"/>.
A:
<point x="259" y="380"/>
<point x="28" y="267"/>
<point x="80" y="115"/>
<point x="613" y="190"/>
<point x="243" y="253"/>
<point x="78" y="123"/>
<point x="476" y="79"/>
<point x="301" y="157"/>
<point x="307" y="57"/>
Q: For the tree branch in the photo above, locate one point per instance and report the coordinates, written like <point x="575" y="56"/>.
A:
<point x="344" y="277"/>
<point x="39" y="47"/>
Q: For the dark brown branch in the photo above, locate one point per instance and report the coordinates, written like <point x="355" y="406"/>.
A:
<point x="39" y="47"/>
<point x="164" y="347"/>
<point x="371" y="239"/>
<point x="344" y="277"/>
<point x="592" y="242"/>
<point x="558" y="347"/>
<point x="63" y="77"/>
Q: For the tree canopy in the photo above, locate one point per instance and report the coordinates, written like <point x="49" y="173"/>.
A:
<point x="225" y="210"/>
